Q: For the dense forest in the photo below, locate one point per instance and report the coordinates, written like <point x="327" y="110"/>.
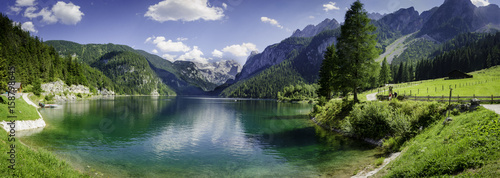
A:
<point x="266" y="84"/>
<point x="466" y="52"/>
<point x="36" y="62"/>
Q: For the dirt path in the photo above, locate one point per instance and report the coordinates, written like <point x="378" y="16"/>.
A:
<point x="25" y="97"/>
<point x="371" y="173"/>
<point x="371" y="97"/>
<point x="493" y="107"/>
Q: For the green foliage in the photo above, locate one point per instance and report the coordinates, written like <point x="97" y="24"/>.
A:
<point x="385" y="73"/>
<point x="469" y="142"/>
<point x="394" y="121"/>
<point x="266" y="84"/>
<point x="49" y="97"/>
<point x="32" y="163"/>
<point x="37" y="87"/>
<point x="370" y="120"/>
<point x="356" y="49"/>
<point x="23" y="110"/>
<point x="298" y="92"/>
<point x="326" y="72"/>
<point x="417" y="49"/>
<point x="475" y="55"/>
<point x="379" y="161"/>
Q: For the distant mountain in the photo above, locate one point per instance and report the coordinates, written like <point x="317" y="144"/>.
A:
<point x="272" y="55"/>
<point x="459" y="16"/>
<point x="219" y="72"/>
<point x="375" y="15"/>
<point x="313" y="30"/>
<point x="405" y="20"/>
<point x="185" y="77"/>
<point x="301" y="54"/>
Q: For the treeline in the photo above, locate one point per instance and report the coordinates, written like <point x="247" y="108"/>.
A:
<point x="36" y="62"/>
<point x="468" y="52"/>
<point x="299" y="92"/>
<point x="266" y="84"/>
<point x="131" y="72"/>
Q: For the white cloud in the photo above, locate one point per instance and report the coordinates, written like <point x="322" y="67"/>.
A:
<point x="271" y="21"/>
<point x="481" y="2"/>
<point x="182" y="39"/>
<point x="15" y="9"/>
<point x="184" y="10"/>
<point x="155" y="51"/>
<point x="68" y="14"/>
<point x="193" y="55"/>
<point x="240" y="50"/>
<point x="47" y="15"/>
<point x="217" y="53"/>
<point x="169" y="57"/>
<point x="25" y="2"/>
<point x="28" y="26"/>
<point x="168" y="45"/>
<point x="330" y="6"/>
<point x="148" y="39"/>
<point x="311" y="17"/>
<point x="224" y="5"/>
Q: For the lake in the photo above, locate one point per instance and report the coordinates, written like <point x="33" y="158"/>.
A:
<point x="145" y="136"/>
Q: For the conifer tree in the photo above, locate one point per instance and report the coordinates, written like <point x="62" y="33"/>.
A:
<point x="385" y="72"/>
<point x="356" y="49"/>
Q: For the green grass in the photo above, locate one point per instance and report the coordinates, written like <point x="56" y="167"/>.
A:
<point x="484" y="83"/>
<point x="32" y="163"/>
<point x="22" y="110"/>
<point x="469" y="146"/>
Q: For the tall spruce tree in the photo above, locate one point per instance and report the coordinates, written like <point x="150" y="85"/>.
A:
<point x="356" y="49"/>
<point x="326" y="73"/>
<point x="385" y="72"/>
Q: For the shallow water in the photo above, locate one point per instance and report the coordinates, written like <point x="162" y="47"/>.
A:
<point x="195" y="137"/>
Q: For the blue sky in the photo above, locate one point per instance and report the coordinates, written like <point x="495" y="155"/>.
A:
<point x="195" y="30"/>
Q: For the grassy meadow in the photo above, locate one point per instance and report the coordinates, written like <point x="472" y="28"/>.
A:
<point x="469" y="146"/>
<point x="22" y="110"/>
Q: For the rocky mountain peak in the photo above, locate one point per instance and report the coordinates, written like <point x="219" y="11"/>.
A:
<point x="312" y="30"/>
<point x="405" y="20"/>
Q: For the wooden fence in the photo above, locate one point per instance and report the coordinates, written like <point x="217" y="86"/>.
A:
<point x="455" y="99"/>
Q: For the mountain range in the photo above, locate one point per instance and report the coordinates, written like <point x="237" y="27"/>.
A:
<point x="295" y="59"/>
<point x="406" y="27"/>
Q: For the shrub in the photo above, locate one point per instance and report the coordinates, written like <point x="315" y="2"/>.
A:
<point x="370" y="120"/>
<point x="49" y="97"/>
<point x="79" y="95"/>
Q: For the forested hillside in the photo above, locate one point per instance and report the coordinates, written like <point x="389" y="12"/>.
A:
<point x="35" y="61"/>
<point x="466" y="52"/>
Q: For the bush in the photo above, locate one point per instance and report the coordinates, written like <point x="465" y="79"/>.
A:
<point x="369" y="120"/>
<point x="49" y="97"/>
<point x="79" y="95"/>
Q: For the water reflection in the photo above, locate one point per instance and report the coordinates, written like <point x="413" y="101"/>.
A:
<point x="183" y="136"/>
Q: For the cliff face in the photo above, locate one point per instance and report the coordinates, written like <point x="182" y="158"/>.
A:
<point x="313" y="30"/>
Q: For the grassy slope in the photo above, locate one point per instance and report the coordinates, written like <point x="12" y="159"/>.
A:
<point x="29" y="162"/>
<point x="468" y="146"/>
<point x="485" y="82"/>
<point x="32" y="163"/>
<point x="23" y="110"/>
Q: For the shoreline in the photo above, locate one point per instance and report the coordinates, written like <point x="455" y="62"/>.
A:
<point x="26" y="124"/>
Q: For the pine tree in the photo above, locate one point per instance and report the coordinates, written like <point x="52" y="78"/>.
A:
<point x="326" y="73"/>
<point x="385" y="73"/>
<point x="356" y="49"/>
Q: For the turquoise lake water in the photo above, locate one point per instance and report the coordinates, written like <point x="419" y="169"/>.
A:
<point x="195" y="137"/>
